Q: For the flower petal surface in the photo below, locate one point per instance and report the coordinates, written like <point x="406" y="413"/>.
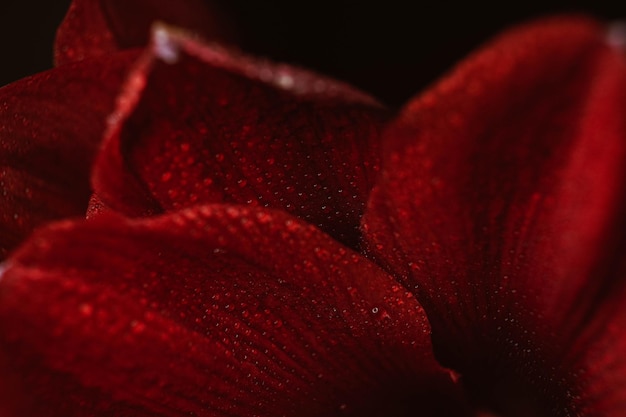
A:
<point x="212" y="311"/>
<point x="498" y="207"/>
<point x="97" y="27"/>
<point x="199" y="123"/>
<point x="50" y="127"/>
<point x="597" y="354"/>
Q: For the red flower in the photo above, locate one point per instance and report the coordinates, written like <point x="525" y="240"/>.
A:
<point x="256" y="247"/>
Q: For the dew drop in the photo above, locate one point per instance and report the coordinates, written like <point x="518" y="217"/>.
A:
<point x="137" y="326"/>
<point x="85" y="309"/>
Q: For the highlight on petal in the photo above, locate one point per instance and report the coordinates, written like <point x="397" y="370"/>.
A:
<point x="214" y="310"/>
<point x="497" y="205"/>
<point x="50" y="127"/>
<point x="97" y="27"/>
<point x="198" y="123"/>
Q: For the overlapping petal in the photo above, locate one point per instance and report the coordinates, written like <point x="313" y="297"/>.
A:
<point x="498" y="204"/>
<point x="99" y="27"/>
<point x="198" y="123"/>
<point x="50" y="128"/>
<point x="497" y="208"/>
<point x="214" y="310"/>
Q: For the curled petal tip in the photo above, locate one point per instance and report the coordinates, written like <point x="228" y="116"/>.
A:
<point x="616" y="34"/>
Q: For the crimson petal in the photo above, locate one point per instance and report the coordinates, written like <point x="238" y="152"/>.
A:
<point x="214" y="310"/>
<point x="215" y="126"/>
<point x="97" y="27"/>
<point x="500" y="196"/>
<point x="598" y="353"/>
<point x="50" y="127"/>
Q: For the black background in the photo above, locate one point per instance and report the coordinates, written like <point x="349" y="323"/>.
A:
<point x="390" y="48"/>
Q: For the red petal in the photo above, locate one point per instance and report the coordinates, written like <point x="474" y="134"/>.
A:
<point x="26" y="392"/>
<point x="96" y="207"/>
<point x="97" y="27"/>
<point x="598" y="354"/>
<point x="217" y="310"/>
<point x="50" y="126"/>
<point x="215" y="126"/>
<point x="499" y="196"/>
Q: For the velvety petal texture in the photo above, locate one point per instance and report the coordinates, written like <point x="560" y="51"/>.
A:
<point x="97" y="27"/>
<point x="212" y="311"/>
<point x="50" y="128"/>
<point x="198" y="123"/>
<point x="500" y="194"/>
<point x="263" y="241"/>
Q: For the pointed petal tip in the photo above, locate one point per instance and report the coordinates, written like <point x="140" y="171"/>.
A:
<point x="164" y="46"/>
<point x="92" y="28"/>
<point x="168" y="42"/>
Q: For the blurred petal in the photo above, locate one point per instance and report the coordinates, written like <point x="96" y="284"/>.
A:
<point x="97" y="27"/>
<point x="216" y="310"/>
<point x="597" y="355"/>
<point x="26" y="392"/>
<point x="50" y="127"/>
<point x="216" y="126"/>
<point x="498" y="203"/>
